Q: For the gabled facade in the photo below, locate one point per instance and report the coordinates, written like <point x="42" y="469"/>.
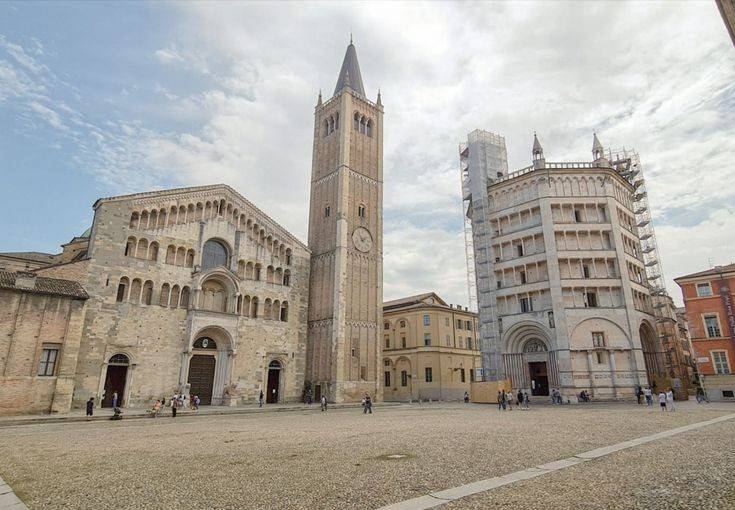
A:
<point x="193" y="290"/>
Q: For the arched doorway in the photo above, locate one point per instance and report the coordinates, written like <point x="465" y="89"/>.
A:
<point x="274" y="382"/>
<point x="115" y="379"/>
<point x="201" y="369"/>
<point x="649" y="346"/>
<point x="535" y="354"/>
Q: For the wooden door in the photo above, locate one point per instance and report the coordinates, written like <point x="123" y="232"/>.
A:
<point x="274" y="379"/>
<point x="539" y="378"/>
<point x="201" y="377"/>
<point x="114" y="382"/>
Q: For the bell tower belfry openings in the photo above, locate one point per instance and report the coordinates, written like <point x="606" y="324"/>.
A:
<point x="346" y="241"/>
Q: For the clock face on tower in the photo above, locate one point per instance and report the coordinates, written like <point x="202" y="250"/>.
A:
<point x="362" y="239"/>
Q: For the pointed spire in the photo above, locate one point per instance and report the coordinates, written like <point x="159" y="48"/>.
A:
<point x="537" y="149"/>
<point x="319" y="101"/>
<point x="379" y="102"/>
<point x="538" y="153"/>
<point x="349" y="74"/>
<point x="597" y="150"/>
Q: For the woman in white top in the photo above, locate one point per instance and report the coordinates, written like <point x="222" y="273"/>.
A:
<point x="670" y="400"/>
<point x="662" y="400"/>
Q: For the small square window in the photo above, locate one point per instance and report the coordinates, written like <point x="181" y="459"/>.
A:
<point x="704" y="289"/>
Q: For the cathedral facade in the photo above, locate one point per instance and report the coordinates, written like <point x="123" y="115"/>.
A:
<point x="197" y="291"/>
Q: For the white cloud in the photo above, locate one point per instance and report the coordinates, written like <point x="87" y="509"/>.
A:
<point x="658" y="76"/>
<point x="48" y="115"/>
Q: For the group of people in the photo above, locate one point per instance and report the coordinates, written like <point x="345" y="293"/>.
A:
<point x="584" y="396"/>
<point x="505" y="400"/>
<point x="665" y="398"/>
<point x="176" y="402"/>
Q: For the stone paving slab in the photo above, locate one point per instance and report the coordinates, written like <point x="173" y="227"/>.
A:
<point x="339" y="460"/>
<point x="489" y="484"/>
<point x="8" y="499"/>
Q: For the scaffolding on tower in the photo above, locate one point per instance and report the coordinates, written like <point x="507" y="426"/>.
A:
<point x="628" y="165"/>
<point x="469" y="248"/>
<point x="483" y="160"/>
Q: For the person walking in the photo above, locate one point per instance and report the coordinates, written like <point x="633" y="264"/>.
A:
<point x="174" y="405"/>
<point x="114" y="400"/>
<point x="519" y="399"/>
<point x="648" y="394"/>
<point x="500" y="401"/>
<point x="509" y="399"/>
<point x="526" y="400"/>
<point x="90" y="406"/>
<point x="260" y="399"/>
<point x="466" y="398"/>
<point x="662" y="400"/>
<point x="670" y="400"/>
<point x="324" y="402"/>
<point x="503" y="400"/>
<point x="368" y="404"/>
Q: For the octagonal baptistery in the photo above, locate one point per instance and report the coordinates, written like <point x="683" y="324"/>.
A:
<point x="564" y="301"/>
<point x="193" y="290"/>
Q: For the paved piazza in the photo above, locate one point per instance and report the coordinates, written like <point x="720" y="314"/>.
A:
<point x="341" y="459"/>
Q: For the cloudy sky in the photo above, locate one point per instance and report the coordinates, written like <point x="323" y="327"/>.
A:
<point x="100" y="99"/>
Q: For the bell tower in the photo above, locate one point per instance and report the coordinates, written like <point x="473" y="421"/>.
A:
<point x="346" y="241"/>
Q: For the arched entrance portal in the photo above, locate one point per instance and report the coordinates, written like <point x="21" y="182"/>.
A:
<point x="115" y="379"/>
<point x="201" y="369"/>
<point x="274" y="382"/>
<point x="528" y="361"/>
<point x="649" y="345"/>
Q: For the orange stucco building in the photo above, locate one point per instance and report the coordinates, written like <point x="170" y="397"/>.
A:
<point x="709" y="298"/>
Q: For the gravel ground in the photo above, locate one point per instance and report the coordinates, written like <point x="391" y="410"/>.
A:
<point x="307" y="459"/>
<point x="695" y="470"/>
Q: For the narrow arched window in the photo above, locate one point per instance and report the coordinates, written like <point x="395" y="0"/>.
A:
<point x="147" y="292"/>
<point x="130" y="247"/>
<point x="165" y="292"/>
<point x="122" y="289"/>
<point x="369" y="128"/>
<point x="361" y="211"/>
<point x="357" y="121"/>
<point x="327" y="210"/>
<point x="184" y="299"/>
<point x="214" y="254"/>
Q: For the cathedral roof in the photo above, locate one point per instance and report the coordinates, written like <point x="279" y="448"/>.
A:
<point x="42" y="285"/>
<point x="33" y="256"/>
<point x="349" y="75"/>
